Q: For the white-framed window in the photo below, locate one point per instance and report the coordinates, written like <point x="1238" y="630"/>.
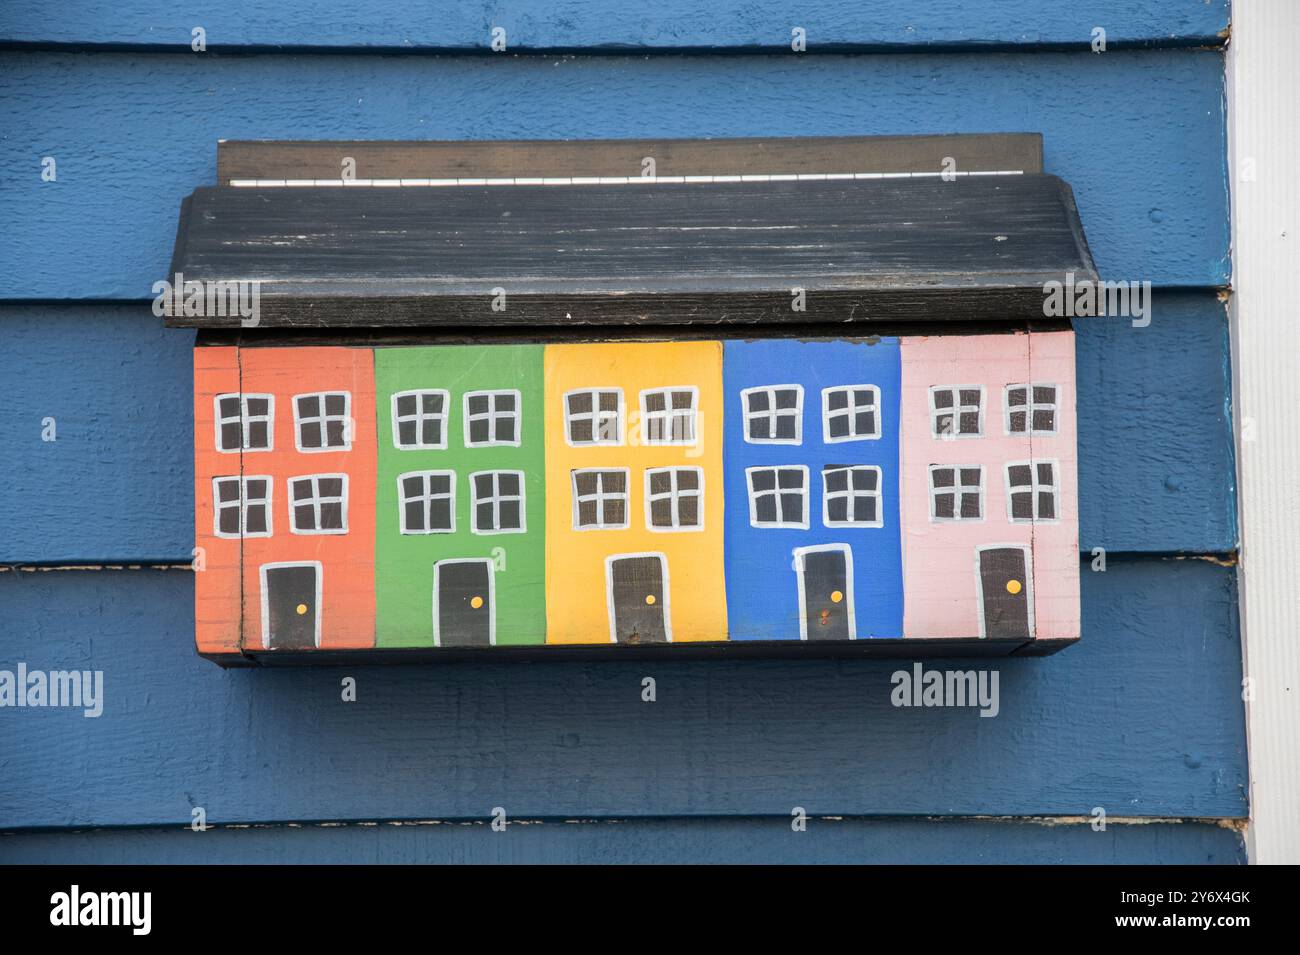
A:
<point x="323" y="421"/>
<point x="493" y="418"/>
<point x="668" y="415"/>
<point x="956" y="492"/>
<point x="420" y="419"/>
<point x="1031" y="491"/>
<point x="1031" y="408"/>
<point x="850" y="413"/>
<point x="244" y="422"/>
<point x="600" y="498"/>
<point x="957" y="411"/>
<point x="593" y="416"/>
<point x="242" y="506"/>
<point x="318" y="504"/>
<point x="498" y="502"/>
<point x="426" y="502"/>
<point x="674" y="499"/>
<point x="773" y="414"/>
<point x="778" y="496"/>
<point x="851" y="496"/>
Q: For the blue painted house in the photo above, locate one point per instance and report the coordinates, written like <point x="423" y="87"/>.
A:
<point x="110" y="117"/>
<point x="811" y="442"/>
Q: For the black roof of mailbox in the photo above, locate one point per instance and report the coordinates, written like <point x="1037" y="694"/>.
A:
<point x="863" y="249"/>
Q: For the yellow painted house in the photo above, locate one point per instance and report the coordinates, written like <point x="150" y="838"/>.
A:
<point x="634" y="492"/>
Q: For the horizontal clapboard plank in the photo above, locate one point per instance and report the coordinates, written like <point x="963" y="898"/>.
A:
<point x="647" y="841"/>
<point x="618" y="24"/>
<point x="133" y="134"/>
<point x="119" y="388"/>
<point x="975" y="248"/>
<point x="1100" y="725"/>
<point x="562" y="159"/>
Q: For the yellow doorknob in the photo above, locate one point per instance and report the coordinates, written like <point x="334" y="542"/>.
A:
<point x="836" y="596"/>
<point x="302" y="609"/>
<point x="476" y="602"/>
<point x="650" y="599"/>
<point x="1013" y="586"/>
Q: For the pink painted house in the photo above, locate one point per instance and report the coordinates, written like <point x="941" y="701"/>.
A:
<point x="988" y="486"/>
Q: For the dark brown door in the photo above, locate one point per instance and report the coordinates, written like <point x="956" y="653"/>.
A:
<point x="464" y="603"/>
<point x="1004" y="584"/>
<point x="637" y="599"/>
<point x="291" y="611"/>
<point x="824" y="583"/>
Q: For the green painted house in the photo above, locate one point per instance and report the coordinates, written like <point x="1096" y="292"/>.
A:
<point x="460" y="535"/>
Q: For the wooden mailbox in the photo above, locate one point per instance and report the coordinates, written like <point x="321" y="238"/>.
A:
<point x="667" y="397"/>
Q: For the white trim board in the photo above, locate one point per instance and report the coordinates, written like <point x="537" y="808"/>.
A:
<point x="1264" y="138"/>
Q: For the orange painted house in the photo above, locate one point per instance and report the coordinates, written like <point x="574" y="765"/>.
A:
<point x="285" y="459"/>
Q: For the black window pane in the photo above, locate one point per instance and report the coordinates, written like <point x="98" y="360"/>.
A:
<point x="414" y="511"/>
<point x="765" y="508"/>
<point x="688" y="479"/>
<point x="609" y="401"/>
<point x="760" y="429"/>
<point x="439" y="483"/>
<point x="864" y="396"/>
<point x="970" y="396"/>
<point x="255" y="489"/>
<point x="614" y="511"/>
<point x="683" y="399"/>
<point x="478" y="404"/>
<point x="865" y="422"/>
<point x="786" y="425"/>
<point x="789" y="477"/>
<point x="970" y="505"/>
<point x="941" y="477"/>
<point x="230" y="407"/>
<point x="228" y="520"/>
<point x="970" y="422"/>
<point x="1021" y="506"/>
<point x="864" y="508"/>
<point x="505" y="429"/>
<point x="654" y="401"/>
<point x="864" y="479"/>
<point x="510" y="515"/>
<point x="836" y="480"/>
<point x="304" y="517"/>
<point x="331" y="487"/>
<point x="763" y="480"/>
<point x="483" y="516"/>
<point x="580" y="430"/>
<point x="412" y="487"/>
<point x="586" y="513"/>
<point x="256" y="519"/>
<point x="335" y="404"/>
<point x="943" y="424"/>
<point x="837" y="509"/>
<point x="585" y="482"/>
<point x="839" y="426"/>
<point x="1045" y="474"/>
<point x="440" y="514"/>
<point x="508" y="484"/>
<point x="406" y="432"/>
<point x="787" y="398"/>
<point x="228" y="490"/>
<point x="837" y="399"/>
<point x="660" y="482"/>
<point x="580" y="403"/>
<point x="431" y="431"/>
<point x="301" y="489"/>
<point x="406" y="405"/>
<point x="1016" y="396"/>
<point x="1044" y="420"/>
<point x="331" y="516"/>
<point x="1017" y="422"/>
<point x="1018" y="474"/>
<point x="258" y="406"/>
<point x="1044" y="394"/>
<point x="334" y="433"/>
<point x="230" y="436"/>
<point x="308" y="407"/>
<point x="615" y="481"/>
<point x="970" y="476"/>
<point x="479" y="431"/>
<point x="758" y="401"/>
<point x="943" y="505"/>
<point x="1046" y="505"/>
<point x="661" y="513"/>
<point x="309" y="434"/>
<point x="505" y="402"/>
<point x="482" y="485"/>
<point x="688" y="510"/>
<point x="258" y="435"/>
<point x="792" y="507"/>
<point x="941" y="399"/>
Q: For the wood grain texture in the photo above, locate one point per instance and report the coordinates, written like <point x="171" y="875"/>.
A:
<point x="120" y="388"/>
<point x="976" y="248"/>
<point x="1142" y="717"/>
<point x="647" y="841"/>
<point x="493" y="159"/>
<point x="133" y="134"/>
<point x="587" y="25"/>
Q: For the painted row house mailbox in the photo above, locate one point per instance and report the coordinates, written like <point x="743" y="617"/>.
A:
<point x="780" y="396"/>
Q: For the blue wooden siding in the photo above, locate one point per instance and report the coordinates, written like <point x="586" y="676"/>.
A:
<point x="1143" y="717"/>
